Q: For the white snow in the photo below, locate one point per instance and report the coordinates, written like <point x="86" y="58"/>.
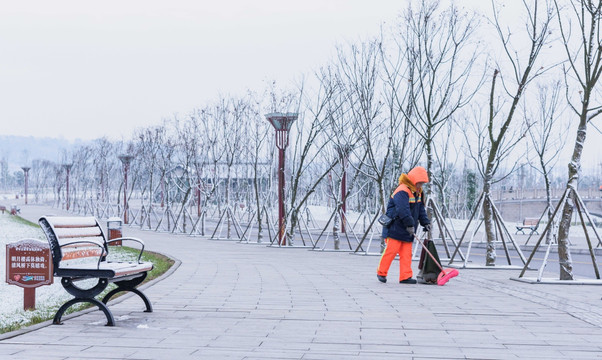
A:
<point x="48" y="298"/>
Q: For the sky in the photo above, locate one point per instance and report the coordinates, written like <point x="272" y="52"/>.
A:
<point x="82" y="69"/>
<point x="77" y="69"/>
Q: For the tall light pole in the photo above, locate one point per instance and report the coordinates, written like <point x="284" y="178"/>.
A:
<point x="125" y="159"/>
<point x="68" y="170"/>
<point x="282" y="123"/>
<point x="26" y="173"/>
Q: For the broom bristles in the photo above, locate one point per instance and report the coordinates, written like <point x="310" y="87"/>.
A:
<point x="445" y="275"/>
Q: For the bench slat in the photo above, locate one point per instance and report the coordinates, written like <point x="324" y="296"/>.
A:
<point x="114" y="269"/>
<point x="81" y="252"/>
<point x="72" y="222"/>
<point x="99" y="240"/>
<point x="77" y="232"/>
<point x="124" y="269"/>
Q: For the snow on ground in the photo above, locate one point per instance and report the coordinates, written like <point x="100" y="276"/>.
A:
<point x="48" y="298"/>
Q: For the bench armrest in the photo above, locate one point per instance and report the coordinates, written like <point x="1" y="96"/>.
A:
<point x="139" y="241"/>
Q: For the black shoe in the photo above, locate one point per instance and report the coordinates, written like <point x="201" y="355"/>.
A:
<point x="408" y="281"/>
<point x="381" y="278"/>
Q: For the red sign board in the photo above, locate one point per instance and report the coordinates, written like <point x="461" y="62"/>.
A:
<point x="28" y="263"/>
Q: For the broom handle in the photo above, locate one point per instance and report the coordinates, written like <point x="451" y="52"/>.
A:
<point x="428" y="252"/>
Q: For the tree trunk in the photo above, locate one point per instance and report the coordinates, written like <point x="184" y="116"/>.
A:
<point x="335" y="230"/>
<point x="429" y="166"/>
<point x="550" y="209"/>
<point x="258" y="206"/>
<point x="489" y="226"/>
<point x="381" y="195"/>
<point x="564" y="251"/>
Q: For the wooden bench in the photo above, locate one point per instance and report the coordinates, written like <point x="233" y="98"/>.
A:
<point x="79" y="251"/>
<point x="528" y="223"/>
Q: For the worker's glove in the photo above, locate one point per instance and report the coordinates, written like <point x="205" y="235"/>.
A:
<point x="410" y="229"/>
<point x="427" y="228"/>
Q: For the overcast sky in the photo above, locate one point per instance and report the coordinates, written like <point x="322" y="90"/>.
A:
<point x="82" y="69"/>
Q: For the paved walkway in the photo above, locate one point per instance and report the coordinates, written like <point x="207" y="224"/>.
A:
<point x="234" y="301"/>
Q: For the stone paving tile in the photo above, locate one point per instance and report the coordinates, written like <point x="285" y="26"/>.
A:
<point x="161" y="353"/>
<point x="226" y="354"/>
<point x="57" y="350"/>
<point x="441" y="351"/>
<point x="367" y="355"/>
<point x="40" y="356"/>
<point x="185" y="340"/>
<point x="485" y="354"/>
<point x="582" y="354"/>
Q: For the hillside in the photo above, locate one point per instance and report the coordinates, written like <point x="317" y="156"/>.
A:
<point x="18" y="151"/>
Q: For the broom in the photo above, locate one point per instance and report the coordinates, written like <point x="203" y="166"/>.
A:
<point x="445" y="274"/>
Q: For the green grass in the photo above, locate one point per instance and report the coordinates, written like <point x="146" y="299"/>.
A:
<point x="20" y="220"/>
<point x="161" y="263"/>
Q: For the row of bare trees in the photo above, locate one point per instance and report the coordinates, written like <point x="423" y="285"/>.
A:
<point x="462" y="94"/>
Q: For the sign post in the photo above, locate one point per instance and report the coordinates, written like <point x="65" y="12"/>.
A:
<point x="28" y="266"/>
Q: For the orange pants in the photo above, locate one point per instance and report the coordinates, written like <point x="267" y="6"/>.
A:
<point x="394" y="247"/>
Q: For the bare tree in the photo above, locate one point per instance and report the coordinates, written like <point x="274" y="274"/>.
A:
<point x="41" y="178"/>
<point x="187" y="158"/>
<point x="377" y="129"/>
<point x="82" y="174"/>
<point x="546" y="139"/>
<point x="584" y="59"/>
<point x="445" y="159"/>
<point x="148" y="147"/>
<point x="441" y="56"/>
<point x="406" y="150"/>
<point x="495" y="142"/>
<point x="105" y="164"/>
<point x="210" y="128"/>
<point x="165" y="163"/>
<point x="256" y="150"/>
<point x="308" y="167"/>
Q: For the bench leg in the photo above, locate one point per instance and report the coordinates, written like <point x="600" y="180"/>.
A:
<point x="78" y="292"/>
<point x="149" y="307"/>
<point x="68" y="304"/>
<point x="84" y="295"/>
<point x="130" y="285"/>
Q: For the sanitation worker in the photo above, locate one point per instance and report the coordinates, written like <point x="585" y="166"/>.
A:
<point x="406" y="208"/>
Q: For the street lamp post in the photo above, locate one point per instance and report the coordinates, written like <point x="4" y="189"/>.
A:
<point x="125" y="159"/>
<point x="282" y="123"/>
<point x="26" y="173"/>
<point x="68" y="170"/>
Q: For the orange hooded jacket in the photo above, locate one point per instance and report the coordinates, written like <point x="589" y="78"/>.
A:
<point x="406" y="207"/>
